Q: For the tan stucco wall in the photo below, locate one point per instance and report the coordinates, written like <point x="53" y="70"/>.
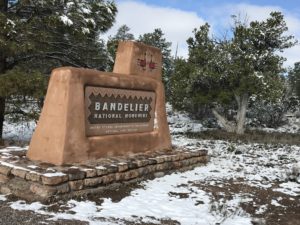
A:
<point x="60" y="136"/>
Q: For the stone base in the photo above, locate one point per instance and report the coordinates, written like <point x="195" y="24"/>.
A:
<point x="35" y="181"/>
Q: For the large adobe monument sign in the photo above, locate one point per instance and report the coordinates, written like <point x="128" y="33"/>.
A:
<point x="106" y="129"/>
<point x="90" y="114"/>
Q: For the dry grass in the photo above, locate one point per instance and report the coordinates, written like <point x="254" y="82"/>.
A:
<point x="249" y="136"/>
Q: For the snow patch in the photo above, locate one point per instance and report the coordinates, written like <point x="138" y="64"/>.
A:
<point x="2" y="198"/>
<point x="85" y="10"/>
<point x="10" y="22"/>
<point x="85" y="30"/>
<point x="181" y="123"/>
<point x="22" y="205"/>
<point x="89" y="20"/>
<point x="18" y="131"/>
<point x="32" y="166"/>
<point x="57" y="174"/>
<point x="66" y="20"/>
<point x="13" y="166"/>
<point x="261" y="209"/>
<point x="152" y="201"/>
<point x="100" y="168"/>
<point x="275" y="203"/>
<point x="289" y="188"/>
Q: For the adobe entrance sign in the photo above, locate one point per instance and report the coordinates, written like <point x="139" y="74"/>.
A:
<point x="90" y="114"/>
<point x="107" y="129"/>
<point x="118" y="111"/>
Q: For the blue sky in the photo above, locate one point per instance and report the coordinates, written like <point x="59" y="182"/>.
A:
<point x="178" y="18"/>
<point x="200" y="6"/>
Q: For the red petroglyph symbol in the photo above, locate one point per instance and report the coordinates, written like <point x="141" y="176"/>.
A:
<point x="152" y="65"/>
<point x="143" y="63"/>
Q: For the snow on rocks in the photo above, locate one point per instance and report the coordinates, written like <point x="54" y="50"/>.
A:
<point x="294" y="173"/>
<point x="289" y="188"/>
<point x="181" y="122"/>
<point x="18" y="131"/>
<point x="162" y="198"/>
<point x="197" y="196"/>
<point x="21" y="205"/>
<point x="2" y="198"/>
<point x="33" y="167"/>
<point x="292" y="126"/>
<point x="185" y="197"/>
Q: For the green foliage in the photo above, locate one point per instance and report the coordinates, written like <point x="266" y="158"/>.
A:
<point x="40" y="35"/>
<point x="294" y="79"/>
<point x="113" y="41"/>
<point x="157" y="39"/>
<point x="221" y="70"/>
<point x="21" y="89"/>
<point x="24" y="83"/>
<point x="65" y="33"/>
<point x="231" y="148"/>
<point x="180" y="85"/>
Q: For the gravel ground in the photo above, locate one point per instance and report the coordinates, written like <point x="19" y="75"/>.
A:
<point x="258" y="183"/>
<point x="9" y="216"/>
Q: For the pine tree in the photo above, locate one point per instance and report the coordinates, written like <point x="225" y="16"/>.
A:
<point x="123" y="34"/>
<point x="38" y="35"/>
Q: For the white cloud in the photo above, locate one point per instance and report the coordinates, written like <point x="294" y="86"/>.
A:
<point x="292" y="56"/>
<point x="178" y="24"/>
<point x="255" y="12"/>
<point x="220" y="19"/>
<point x="142" y="18"/>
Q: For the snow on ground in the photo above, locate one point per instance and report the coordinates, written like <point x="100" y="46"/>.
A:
<point x="187" y="197"/>
<point x="180" y="122"/>
<point x="181" y="196"/>
<point x="21" y="131"/>
<point x="157" y="199"/>
<point x="2" y="198"/>
<point x="292" y="126"/>
<point x="7" y="150"/>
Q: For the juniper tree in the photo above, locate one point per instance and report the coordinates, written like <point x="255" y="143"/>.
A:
<point x="123" y="34"/>
<point x="157" y="39"/>
<point x="38" y="35"/>
<point x="231" y="70"/>
<point x="294" y="79"/>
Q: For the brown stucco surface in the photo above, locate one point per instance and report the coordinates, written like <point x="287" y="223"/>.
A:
<point x="130" y="53"/>
<point x="60" y="136"/>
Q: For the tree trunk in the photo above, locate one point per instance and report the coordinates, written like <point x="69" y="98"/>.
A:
<point x="2" y="110"/>
<point x="224" y="123"/>
<point x="241" y="114"/>
<point x="3" y="9"/>
<point x="2" y="98"/>
<point x="239" y="128"/>
<point x="3" y="5"/>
